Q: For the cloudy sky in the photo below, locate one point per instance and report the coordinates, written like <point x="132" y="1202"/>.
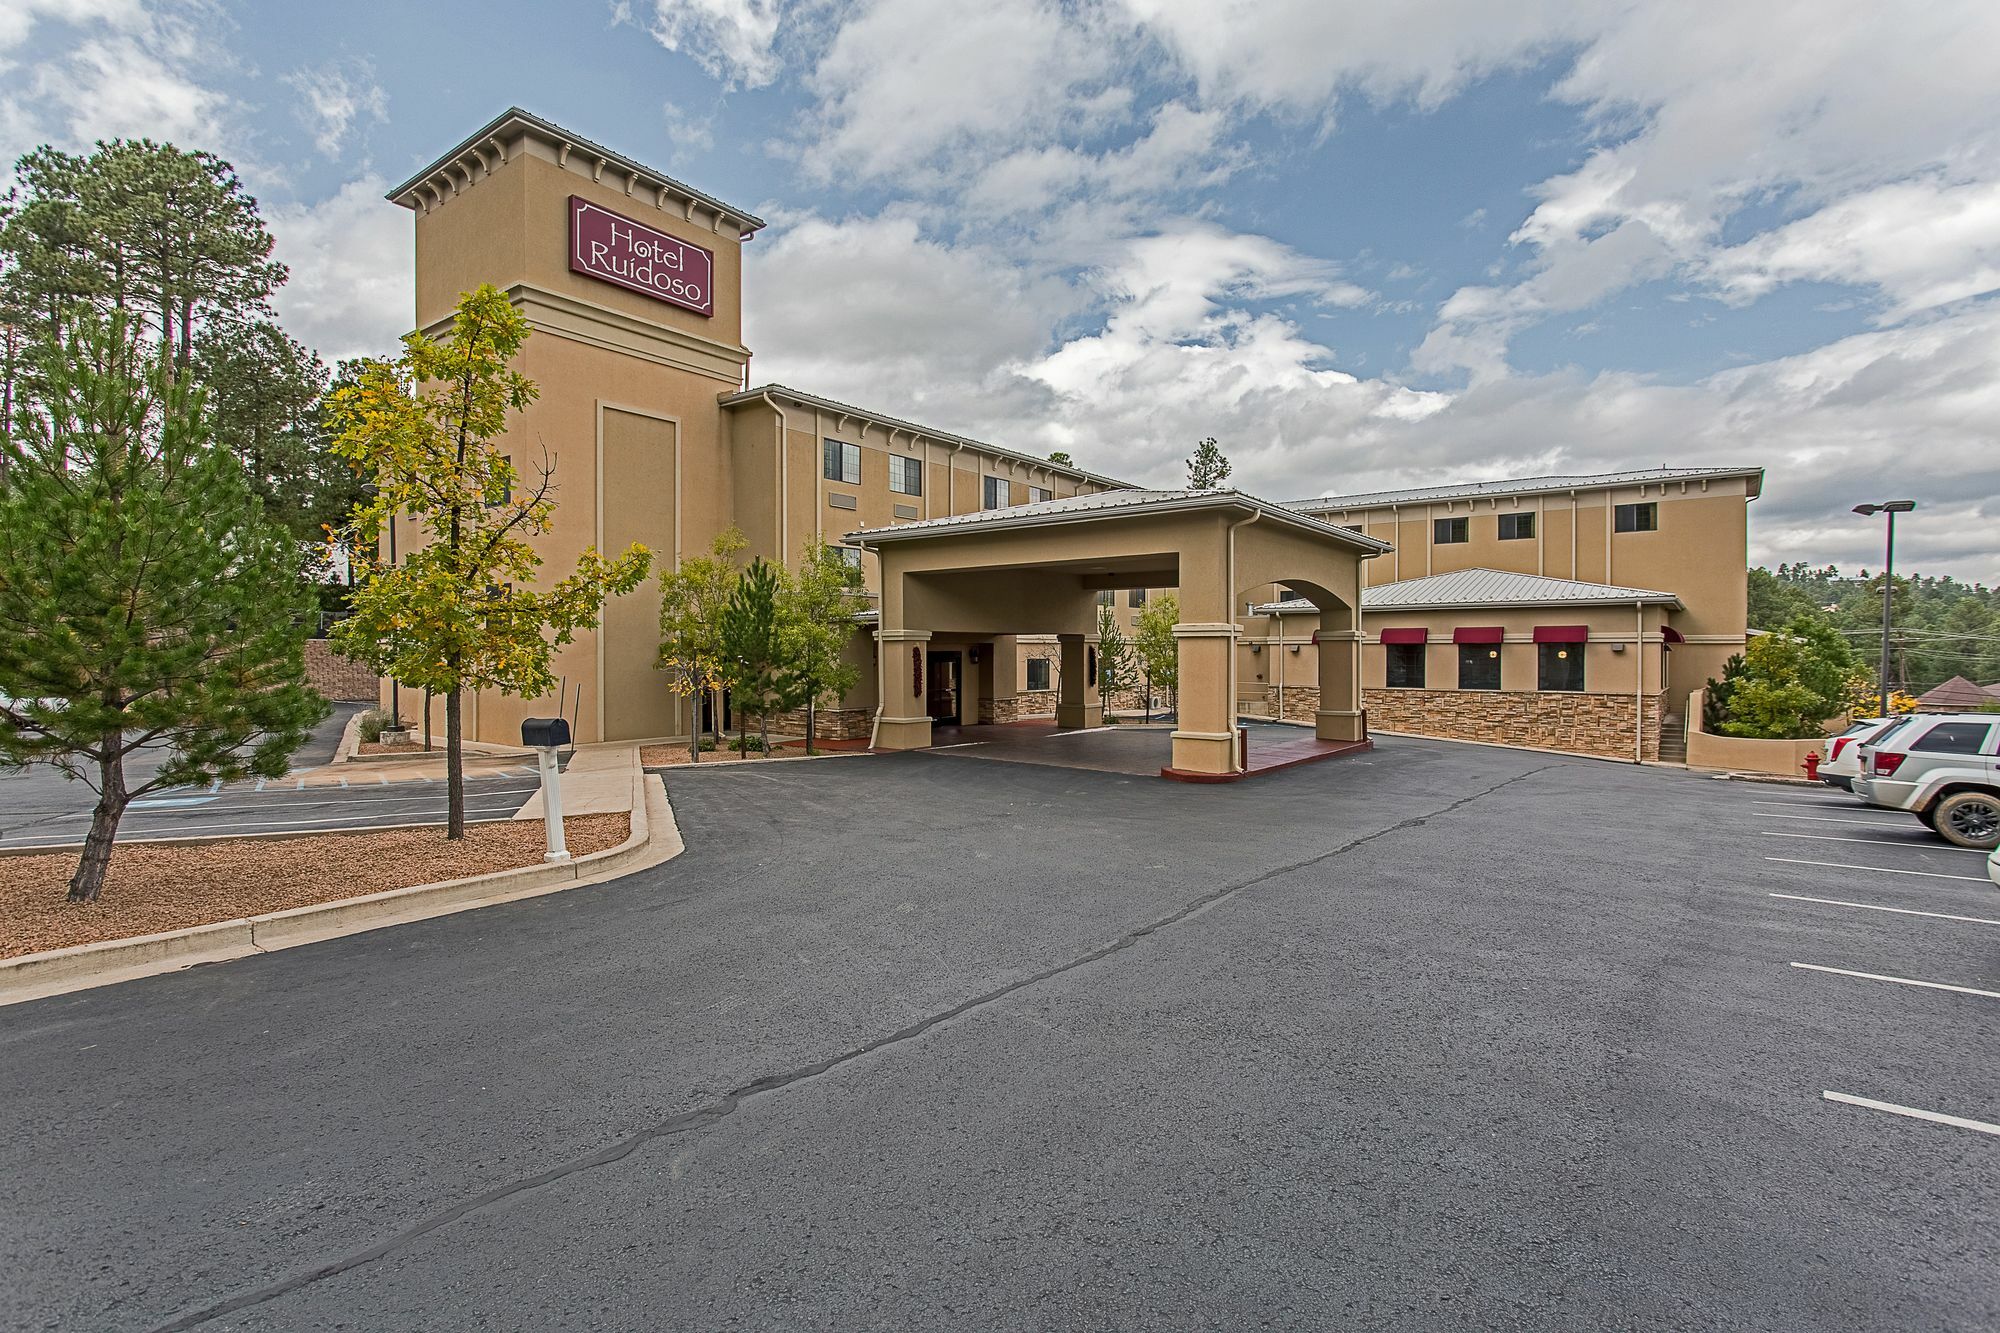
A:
<point x="1364" y="245"/>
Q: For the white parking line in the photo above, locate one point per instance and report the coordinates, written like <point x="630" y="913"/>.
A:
<point x="1879" y="870"/>
<point x="1873" y="907"/>
<point x="1938" y="1117"/>
<point x="1833" y="819"/>
<point x="1914" y="844"/>
<point x="1900" y="981"/>
<point x="193" y="830"/>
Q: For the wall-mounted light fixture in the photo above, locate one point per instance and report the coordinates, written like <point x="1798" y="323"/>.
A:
<point x="1295" y="647"/>
<point x="1256" y="648"/>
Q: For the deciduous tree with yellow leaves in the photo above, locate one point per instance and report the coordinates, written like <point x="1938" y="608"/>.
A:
<point x="462" y="610"/>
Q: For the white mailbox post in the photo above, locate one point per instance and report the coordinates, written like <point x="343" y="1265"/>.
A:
<point x="546" y="735"/>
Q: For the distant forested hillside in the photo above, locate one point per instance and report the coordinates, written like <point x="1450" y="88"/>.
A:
<point x="1942" y="628"/>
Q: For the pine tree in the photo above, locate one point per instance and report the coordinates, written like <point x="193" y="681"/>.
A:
<point x="1114" y="659"/>
<point x="461" y="612"/>
<point x="751" y="648"/>
<point x="145" y="602"/>
<point x="1207" y="467"/>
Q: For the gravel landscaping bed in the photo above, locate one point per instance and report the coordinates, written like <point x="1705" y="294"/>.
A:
<point x="667" y="756"/>
<point x="156" y="887"/>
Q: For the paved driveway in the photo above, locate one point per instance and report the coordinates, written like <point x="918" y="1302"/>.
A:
<point x="1439" y="1036"/>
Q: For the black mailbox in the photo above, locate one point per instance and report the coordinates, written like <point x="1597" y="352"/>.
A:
<point x="544" y="732"/>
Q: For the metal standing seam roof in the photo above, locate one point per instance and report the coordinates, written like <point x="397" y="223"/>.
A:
<point x="751" y="395"/>
<point x="1105" y="504"/>
<point x="1486" y="588"/>
<point x="748" y="222"/>
<point x="1525" y="486"/>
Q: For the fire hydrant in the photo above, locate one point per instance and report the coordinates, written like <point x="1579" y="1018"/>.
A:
<point x="1811" y="765"/>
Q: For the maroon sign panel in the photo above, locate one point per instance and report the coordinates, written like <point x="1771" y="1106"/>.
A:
<point x="618" y="250"/>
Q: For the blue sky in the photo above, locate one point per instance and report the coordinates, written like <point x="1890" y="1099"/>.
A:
<point x="1363" y="245"/>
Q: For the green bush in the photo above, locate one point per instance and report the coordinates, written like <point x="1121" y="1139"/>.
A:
<point x="374" y="722"/>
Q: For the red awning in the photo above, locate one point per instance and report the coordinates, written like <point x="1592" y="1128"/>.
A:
<point x="1562" y="634"/>
<point x="1478" y="634"/>
<point x="1672" y="635"/>
<point x="1417" y="635"/>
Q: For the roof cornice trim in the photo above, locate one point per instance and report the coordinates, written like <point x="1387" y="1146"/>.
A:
<point x="470" y="160"/>
<point x="1607" y="481"/>
<point x="1004" y="521"/>
<point x="800" y="398"/>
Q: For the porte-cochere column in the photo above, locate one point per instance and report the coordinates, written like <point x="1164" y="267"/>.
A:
<point x="1078" y="704"/>
<point x="1205" y="741"/>
<point x="1340" y="716"/>
<point x="906" y="723"/>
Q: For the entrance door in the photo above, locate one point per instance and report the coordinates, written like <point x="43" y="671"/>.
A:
<point x="942" y="676"/>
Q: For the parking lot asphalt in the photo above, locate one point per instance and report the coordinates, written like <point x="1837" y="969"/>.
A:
<point x="42" y="808"/>
<point x="1440" y="1036"/>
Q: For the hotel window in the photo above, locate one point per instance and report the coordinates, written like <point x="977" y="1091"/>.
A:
<point x="1479" y="666"/>
<point x="1451" y="531"/>
<point x="1516" y="527"/>
<point x="1406" y="666"/>
<point x="994" y="493"/>
<point x="1038" y="494"/>
<point x="906" y="475"/>
<point x="1107" y="598"/>
<point x="1637" y="518"/>
<point x="1137" y="599"/>
<point x="1038" y="673"/>
<point x="849" y="556"/>
<point x="843" y="462"/>
<point x="1561" y="666"/>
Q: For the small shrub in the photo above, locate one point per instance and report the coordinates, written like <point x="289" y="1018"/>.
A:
<point x="373" y="723"/>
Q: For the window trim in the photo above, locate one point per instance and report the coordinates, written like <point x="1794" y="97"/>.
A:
<point x="1560" y="649"/>
<point x="845" y="452"/>
<point x="1472" y="651"/>
<point x="1650" y="508"/>
<point x="1407" y="653"/>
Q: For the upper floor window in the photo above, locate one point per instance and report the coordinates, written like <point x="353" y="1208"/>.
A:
<point x="1037" y="494"/>
<point x="1107" y="598"/>
<point x="1516" y="527"/>
<point x="1637" y="518"/>
<point x="1447" y="531"/>
<point x="994" y="493"/>
<point x="843" y="462"/>
<point x="906" y="475"/>
<point x="1137" y="598"/>
<point x="850" y="556"/>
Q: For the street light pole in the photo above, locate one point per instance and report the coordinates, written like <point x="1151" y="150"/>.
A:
<point x="1890" y="508"/>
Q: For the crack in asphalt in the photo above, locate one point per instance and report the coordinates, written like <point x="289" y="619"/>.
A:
<point x="730" y="1102"/>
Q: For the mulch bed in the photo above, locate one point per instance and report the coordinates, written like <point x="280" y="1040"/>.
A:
<point x="164" y="886"/>
<point x="377" y="747"/>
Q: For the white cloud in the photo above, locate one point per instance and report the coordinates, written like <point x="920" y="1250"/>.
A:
<point x="18" y="17"/>
<point x="351" y="258"/>
<point x="734" y="40"/>
<point x="1921" y="243"/>
<point x="333" y="97"/>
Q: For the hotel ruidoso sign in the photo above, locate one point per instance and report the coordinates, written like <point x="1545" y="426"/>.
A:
<point x="618" y="250"/>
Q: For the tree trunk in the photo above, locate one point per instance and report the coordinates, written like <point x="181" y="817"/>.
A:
<point x="812" y="722"/>
<point x="88" y="881"/>
<point x="694" y="698"/>
<point x="454" y="768"/>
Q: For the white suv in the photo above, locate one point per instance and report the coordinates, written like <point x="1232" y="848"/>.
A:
<point x="1941" y="767"/>
<point x="1843" y="752"/>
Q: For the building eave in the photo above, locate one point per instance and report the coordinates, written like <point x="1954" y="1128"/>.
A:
<point x="915" y="430"/>
<point x="1526" y="486"/>
<point x="470" y="160"/>
<point x="1003" y="520"/>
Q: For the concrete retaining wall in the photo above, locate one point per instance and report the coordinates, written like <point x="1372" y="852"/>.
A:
<point x="1743" y="755"/>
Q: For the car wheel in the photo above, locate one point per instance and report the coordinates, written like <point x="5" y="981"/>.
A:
<point x="1969" y="818"/>
<point x="1929" y="818"/>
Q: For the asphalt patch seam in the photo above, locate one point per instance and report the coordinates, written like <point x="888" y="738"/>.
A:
<point x="732" y="1101"/>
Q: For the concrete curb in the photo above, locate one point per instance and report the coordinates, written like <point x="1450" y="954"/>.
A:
<point x="654" y="838"/>
<point x="350" y="736"/>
